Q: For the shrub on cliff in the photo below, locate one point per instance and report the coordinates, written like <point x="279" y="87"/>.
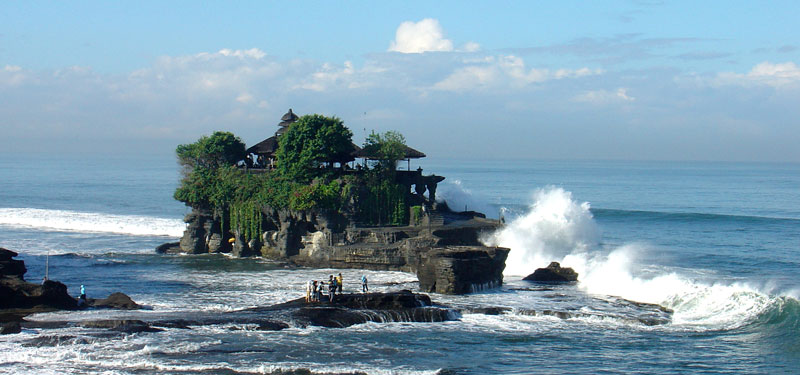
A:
<point x="311" y="140"/>
<point x="209" y="175"/>
<point x="211" y="152"/>
<point x="388" y="147"/>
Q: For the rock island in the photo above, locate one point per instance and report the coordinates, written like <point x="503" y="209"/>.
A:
<point x="309" y="196"/>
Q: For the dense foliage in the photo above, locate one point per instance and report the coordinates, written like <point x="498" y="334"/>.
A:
<point x="211" y="179"/>
<point x="388" y="147"/>
<point x="311" y="140"/>
<point x="211" y="152"/>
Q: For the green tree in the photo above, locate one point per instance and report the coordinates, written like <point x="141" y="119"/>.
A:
<point x="311" y="140"/>
<point x="388" y="148"/>
<point x="211" y="152"/>
<point x="209" y="175"/>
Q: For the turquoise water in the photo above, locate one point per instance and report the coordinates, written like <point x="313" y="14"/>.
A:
<point x="718" y="243"/>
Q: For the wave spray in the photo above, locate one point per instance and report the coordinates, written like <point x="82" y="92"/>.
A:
<point x="558" y="228"/>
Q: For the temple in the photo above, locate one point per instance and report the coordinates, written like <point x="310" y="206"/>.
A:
<point x="378" y="226"/>
<point x="261" y="157"/>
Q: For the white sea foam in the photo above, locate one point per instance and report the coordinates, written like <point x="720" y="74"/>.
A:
<point x="458" y="198"/>
<point x="554" y="226"/>
<point x="558" y="228"/>
<point x="91" y="222"/>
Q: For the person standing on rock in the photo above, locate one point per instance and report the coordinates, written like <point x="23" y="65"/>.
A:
<point x="364" y="287"/>
<point x="315" y="291"/>
<point x="339" y="283"/>
<point x="331" y="288"/>
<point x="82" y="298"/>
<point x="308" y="291"/>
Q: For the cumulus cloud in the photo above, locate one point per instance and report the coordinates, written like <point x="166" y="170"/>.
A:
<point x="504" y="71"/>
<point x="423" y="36"/>
<point x="329" y="76"/>
<point x="765" y="73"/>
<point x="178" y="98"/>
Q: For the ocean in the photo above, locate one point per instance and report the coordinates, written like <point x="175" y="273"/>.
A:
<point x="717" y="243"/>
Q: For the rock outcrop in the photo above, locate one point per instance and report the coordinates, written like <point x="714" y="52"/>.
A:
<point x="346" y="310"/>
<point x="553" y="273"/>
<point x="446" y="255"/>
<point x="117" y="300"/>
<point x="19" y="298"/>
<point x="16" y="293"/>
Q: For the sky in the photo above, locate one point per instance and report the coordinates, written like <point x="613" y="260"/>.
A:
<point x="627" y="80"/>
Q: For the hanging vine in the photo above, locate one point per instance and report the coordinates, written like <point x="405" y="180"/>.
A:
<point x="246" y="218"/>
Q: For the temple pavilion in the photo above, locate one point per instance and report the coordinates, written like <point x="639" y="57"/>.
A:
<point x="265" y="150"/>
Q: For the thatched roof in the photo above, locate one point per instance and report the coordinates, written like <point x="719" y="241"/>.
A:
<point x="289" y="117"/>
<point x="267" y="146"/>
<point x="371" y="152"/>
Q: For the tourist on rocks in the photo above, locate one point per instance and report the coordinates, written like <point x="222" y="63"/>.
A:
<point x="331" y="288"/>
<point x="339" y="283"/>
<point x="315" y="288"/>
<point x="82" y="298"/>
<point x="308" y="291"/>
<point x="364" y="287"/>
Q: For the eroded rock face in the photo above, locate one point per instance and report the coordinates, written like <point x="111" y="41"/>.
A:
<point x="448" y="258"/>
<point x="553" y="273"/>
<point x="116" y="300"/>
<point x="22" y="298"/>
<point x="461" y="269"/>
<point x="16" y="293"/>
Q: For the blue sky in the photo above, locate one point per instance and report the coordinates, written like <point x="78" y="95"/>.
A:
<point x="637" y="80"/>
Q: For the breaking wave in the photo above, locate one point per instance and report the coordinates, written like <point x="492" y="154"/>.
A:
<point x="91" y="222"/>
<point x="558" y="228"/>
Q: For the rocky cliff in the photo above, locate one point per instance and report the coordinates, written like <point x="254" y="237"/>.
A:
<point x="442" y="249"/>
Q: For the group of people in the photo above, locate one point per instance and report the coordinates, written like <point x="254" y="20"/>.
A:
<point x="316" y="289"/>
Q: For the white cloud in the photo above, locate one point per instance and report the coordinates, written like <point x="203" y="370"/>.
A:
<point x="765" y="73"/>
<point x="330" y="76"/>
<point x="418" y="37"/>
<point x="604" y="96"/>
<point x="471" y="47"/>
<point x="12" y="75"/>
<point x="244" y="98"/>
<point x="506" y="72"/>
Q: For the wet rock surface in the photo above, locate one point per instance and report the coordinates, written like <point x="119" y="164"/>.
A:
<point x="447" y="256"/>
<point x="553" y="273"/>
<point x="18" y="294"/>
<point x="19" y="298"/>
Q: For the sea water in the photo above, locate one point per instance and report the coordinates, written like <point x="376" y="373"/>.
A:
<point x="717" y="243"/>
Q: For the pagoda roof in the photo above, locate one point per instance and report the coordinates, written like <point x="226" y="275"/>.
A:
<point x="289" y="117"/>
<point x="267" y="146"/>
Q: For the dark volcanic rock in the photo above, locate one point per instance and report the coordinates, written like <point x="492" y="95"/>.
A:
<point x="272" y="326"/>
<point x="169" y="248"/>
<point x="9" y="328"/>
<point x="126" y="326"/>
<point x="19" y="298"/>
<point x="350" y="309"/>
<point x="115" y="301"/>
<point x="447" y="256"/>
<point x="461" y="269"/>
<point x="553" y="273"/>
<point x="16" y="293"/>
<point x="9" y="266"/>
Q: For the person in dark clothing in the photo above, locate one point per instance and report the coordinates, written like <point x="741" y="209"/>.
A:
<point x="364" y="287"/>
<point x="331" y="288"/>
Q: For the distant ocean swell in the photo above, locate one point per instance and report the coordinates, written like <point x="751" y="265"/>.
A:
<point x="687" y="216"/>
<point x="91" y="222"/>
